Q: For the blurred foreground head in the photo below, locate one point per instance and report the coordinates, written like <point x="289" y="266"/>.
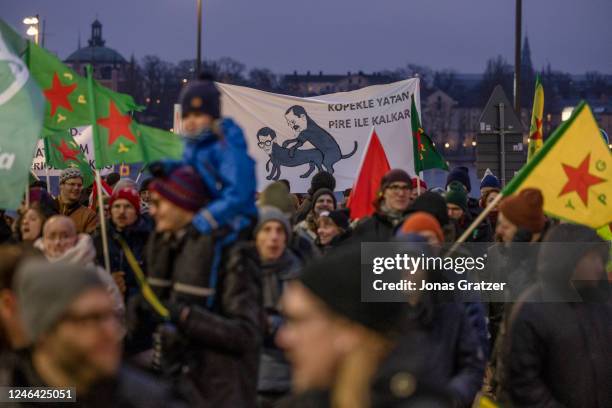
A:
<point x="70" y="319"/>
<point x="329" y="328"/>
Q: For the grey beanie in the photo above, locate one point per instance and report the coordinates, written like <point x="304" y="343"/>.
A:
<point x="70" y="172"/>
<point x="269" y="213"/>
<point x="46" y="290"/>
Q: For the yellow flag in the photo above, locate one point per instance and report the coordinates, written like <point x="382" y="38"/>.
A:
<point x="573" y="169"/>
<point x="535" y="131"/>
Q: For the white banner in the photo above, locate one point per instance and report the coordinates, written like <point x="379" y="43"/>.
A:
<point x="293" y="138"/>
<point x="83" y="136"/>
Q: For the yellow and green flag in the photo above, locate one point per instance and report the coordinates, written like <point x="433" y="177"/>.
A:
<point x="573" y="169"/>
<point x="537" y="115"/>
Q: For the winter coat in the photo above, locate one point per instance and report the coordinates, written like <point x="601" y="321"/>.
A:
<point x="335" y="242"/>
<point x="378" y="227"/>
<point x="221" y="342"/>
<point x="129" y="389"/>
<point x="303" y="229"/>
<point x="135" y="236"/>
<point x="84" y="218"/>
<point x="84" y="253"/>
<point x="274" y="370"/>
<point x="443" y="331"/>
<point x="482" y="233"/>
<point x="557" y="353"/>
<point x="229" y="174"/>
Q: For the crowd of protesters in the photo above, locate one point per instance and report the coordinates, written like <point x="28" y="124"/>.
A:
<point x="206" y="293"/>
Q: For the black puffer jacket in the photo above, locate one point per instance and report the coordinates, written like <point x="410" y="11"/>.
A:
<point x="221" y="342"/>
<point x="557" y="353"/>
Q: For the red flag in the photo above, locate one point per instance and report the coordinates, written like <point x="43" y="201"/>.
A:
<point x="93" y="198"/>
<point x="374" y="166"/>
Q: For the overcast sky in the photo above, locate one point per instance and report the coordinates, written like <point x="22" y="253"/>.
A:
<point x="335" y="35"/>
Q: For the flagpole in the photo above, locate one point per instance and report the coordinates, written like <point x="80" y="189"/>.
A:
<point x="102" y="222"/>
<point x="418" y="177"/>
<point x="94" y="127"/>
<point x="48" y="178"/>
<point x="475" y="223"/>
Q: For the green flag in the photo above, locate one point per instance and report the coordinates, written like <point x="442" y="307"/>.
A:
<point x="118" y="138"/>
<point x="425" y="154"/>
<point x="62" y="151"/>
<point x="65" y="91"/>
<point x="21" y="117"/>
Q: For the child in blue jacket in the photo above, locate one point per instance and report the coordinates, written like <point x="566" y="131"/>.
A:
<point x="216" y="148"/>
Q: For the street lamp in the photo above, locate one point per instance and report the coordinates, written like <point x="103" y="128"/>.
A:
<point x="199" y="39"/>
<point x="566" y="113"/>
<point x="33" y="24"/>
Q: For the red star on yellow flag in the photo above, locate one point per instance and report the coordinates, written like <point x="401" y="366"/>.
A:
<point x="537" y="134"/>
<point x="579" y="179"/>
<point x="57" y="95"/>
<point x="67" y="152"/>
<point x="117" y="124"/>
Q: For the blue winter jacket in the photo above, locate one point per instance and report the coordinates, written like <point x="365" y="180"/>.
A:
<point x="229" y="174"/>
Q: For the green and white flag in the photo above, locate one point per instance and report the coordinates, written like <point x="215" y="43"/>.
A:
<point x="22" y="107"/>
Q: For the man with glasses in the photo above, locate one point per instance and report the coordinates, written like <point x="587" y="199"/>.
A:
<point x="392" y="202"/>
<point x="71" y="185"/>
<point x="75" y="339"/>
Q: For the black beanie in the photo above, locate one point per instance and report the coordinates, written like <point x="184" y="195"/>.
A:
<point x="339" y="218"/>
<point x="336" y="280"/>
<point x="433" y="204"/>
<point x="320" y="180"/>
<point x="201" y="96"/>
<point x="321" y="192"/>
<point x="462" y="175"/>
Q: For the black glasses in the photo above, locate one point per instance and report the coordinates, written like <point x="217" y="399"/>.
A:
<point x="399" y="187"/>
<point x="93" y="318"/>
<point x="267" y="143"/>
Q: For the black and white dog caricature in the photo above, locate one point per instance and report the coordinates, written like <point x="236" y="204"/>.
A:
<point x="279" y="156"/>
<point x="307" y="130"/>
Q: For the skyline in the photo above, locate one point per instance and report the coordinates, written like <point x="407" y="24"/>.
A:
<point x="337" y="37"/>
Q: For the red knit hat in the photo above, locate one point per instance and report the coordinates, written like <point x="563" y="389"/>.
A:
<point x="126" y="193"/>
<point x="525" y="209"/>
<point x="422" y="221"/>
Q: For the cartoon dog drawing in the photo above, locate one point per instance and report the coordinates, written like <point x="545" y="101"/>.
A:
<point x="307" y="130"/>
<point x="279" y="156"/>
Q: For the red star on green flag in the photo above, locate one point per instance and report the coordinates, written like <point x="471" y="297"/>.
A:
<point x="117" y="124"/>
<point x="61" y="152"/>
<point x="66" y="152"/>
<point x="579" y="179"/>
<point x="58" y="94"/>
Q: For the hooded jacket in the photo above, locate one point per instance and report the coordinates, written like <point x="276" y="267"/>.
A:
<point x="229" y="174"/>
<point x="557" y="352"/>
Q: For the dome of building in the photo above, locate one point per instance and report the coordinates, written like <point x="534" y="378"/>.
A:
<point x="96" y="51"/>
